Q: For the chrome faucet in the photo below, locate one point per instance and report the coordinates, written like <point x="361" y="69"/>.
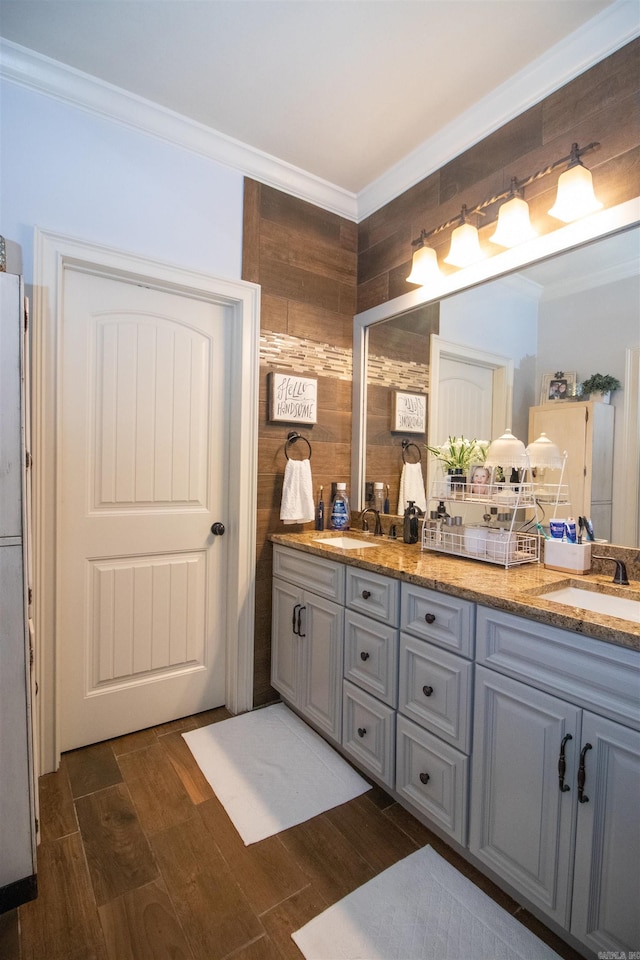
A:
<point x="620" y="576"/>
<point x="365" y="523"/>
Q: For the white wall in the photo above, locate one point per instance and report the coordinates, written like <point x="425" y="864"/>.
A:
<point x="65" y="170"/>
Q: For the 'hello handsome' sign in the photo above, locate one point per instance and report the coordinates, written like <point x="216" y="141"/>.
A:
<point x="293" y="399"/>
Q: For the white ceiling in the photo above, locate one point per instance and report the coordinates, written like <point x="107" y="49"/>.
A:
<point x="345" y="90"/>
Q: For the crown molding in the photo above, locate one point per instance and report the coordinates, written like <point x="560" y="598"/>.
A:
<point x="601" y="36"/>
<point x="617" y="25"/>
<point x="33" y="70"/>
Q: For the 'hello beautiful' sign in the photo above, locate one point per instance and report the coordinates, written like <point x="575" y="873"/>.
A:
<point x="293" y="399"/>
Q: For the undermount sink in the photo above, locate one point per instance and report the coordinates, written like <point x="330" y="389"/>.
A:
<point x="346" y="543"/>
<point x="611" y="605"/>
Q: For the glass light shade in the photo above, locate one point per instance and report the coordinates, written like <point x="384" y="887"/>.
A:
<point x="544" y="453"/>
<point x="424" y="266"/>
<point x="465" y="246"/>
<point x="507" y="451"/>
<point x="514" y="225"/>
<point x="575" y="197"/>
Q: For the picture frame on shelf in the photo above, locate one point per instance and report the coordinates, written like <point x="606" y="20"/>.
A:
<point x="479" y="479"/>
<point x="408" y="412"/>
<point x="557" y="386"/>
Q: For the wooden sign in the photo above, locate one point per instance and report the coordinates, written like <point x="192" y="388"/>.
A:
<point x="292" y="398"/>
<point x="409" y="412"/>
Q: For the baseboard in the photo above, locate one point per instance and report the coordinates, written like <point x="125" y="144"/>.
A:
<point x="20" y="891"/>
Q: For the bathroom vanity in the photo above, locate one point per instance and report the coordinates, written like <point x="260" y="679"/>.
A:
<point x="507" y="723"/>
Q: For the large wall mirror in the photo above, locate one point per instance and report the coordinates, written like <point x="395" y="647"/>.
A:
<point x="571" y="304"/>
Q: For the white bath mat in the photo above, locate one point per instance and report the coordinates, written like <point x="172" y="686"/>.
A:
<point x="270" y="770"/>
<point x="420" y="908"/>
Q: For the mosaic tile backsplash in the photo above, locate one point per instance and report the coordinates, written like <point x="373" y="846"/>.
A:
<point x="324" y="360"/>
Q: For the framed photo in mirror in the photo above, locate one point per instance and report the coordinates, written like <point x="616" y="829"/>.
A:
<point x="557" y="386"/>
<point x="408" y="412"/>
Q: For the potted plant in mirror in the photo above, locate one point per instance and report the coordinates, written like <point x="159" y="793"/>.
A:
<point x="456" y="457"/>
<point x="599" y="387"/>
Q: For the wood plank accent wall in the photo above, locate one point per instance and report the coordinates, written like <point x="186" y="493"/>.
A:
<point x="305" y="261"/>
<point x="601" y="104"/>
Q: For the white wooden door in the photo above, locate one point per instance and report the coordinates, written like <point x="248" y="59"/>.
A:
<point x="143" y="455"/>
<point x="465" y="400"/>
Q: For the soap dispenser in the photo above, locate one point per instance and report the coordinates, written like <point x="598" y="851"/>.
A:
<point x="410" y="529"/>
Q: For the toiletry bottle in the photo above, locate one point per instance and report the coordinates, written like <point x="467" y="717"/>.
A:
<point x="410" y="527"/>
<point x="378" y="497"/>
<point x="386" y="508"/>
<point x="442" y="510"/>
<point x="340" y="513"/>
<point x="320" y="512"/>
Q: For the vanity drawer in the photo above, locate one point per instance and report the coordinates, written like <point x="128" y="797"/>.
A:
<point x="324" y="577"/>
<point x="443" y="620"/>
<point x="371" y="656"/>
<point x="368" y="732"/>
<point x="373" y="595"/>
<point x="433" y="777"/>
<point x="601" y="676"/>
<point x="435" y="690"/>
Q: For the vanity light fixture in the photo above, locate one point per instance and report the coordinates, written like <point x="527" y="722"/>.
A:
<point x="465" y="244"/>
<point x="514" y="226"/>
<point x="424" y="264"/>
<point x="575" y="199"/>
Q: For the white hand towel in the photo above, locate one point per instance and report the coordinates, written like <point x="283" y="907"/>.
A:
<point x="297" y="493"/>
<point x="411" y="488"/>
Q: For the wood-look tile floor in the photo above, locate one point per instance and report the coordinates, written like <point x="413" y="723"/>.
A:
<point x="139" y="861"/>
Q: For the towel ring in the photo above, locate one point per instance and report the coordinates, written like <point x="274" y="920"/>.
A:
<point x="291" y="438"/>
<point x="405" y="446"/>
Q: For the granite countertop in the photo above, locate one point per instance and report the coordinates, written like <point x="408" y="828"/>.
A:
<point x="514" y="590"/>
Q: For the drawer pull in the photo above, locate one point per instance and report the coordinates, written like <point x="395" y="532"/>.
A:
<point x="562" y="764"/>
<point x="424" y="778"/>
<point x="582" y="775"/>
<point x="427" y="691"/>
<point x="296" y="613"/>
<point x="364" y="655"/>
<point x="366" y="594"/>
<point x="362" y="731"/>
<point x="430" y="617"/>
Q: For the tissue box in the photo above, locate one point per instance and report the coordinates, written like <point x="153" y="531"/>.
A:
<point x="567" y="557"/>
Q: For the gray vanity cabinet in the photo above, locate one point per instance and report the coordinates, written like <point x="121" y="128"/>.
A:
<point x="370" y="688"/>
<point x="307" y="637"/>
<point x="434" y="705"/>
<point x="556" y="780"/>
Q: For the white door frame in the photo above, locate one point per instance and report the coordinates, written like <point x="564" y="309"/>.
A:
<point x="52" y="254"/>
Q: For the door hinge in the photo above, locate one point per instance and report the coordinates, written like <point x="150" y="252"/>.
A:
<point x="27" y="459"/>
<point x="29" y="596"/>
<point x="37" y="825"/>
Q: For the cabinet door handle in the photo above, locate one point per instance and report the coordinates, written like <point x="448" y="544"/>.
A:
<point x="582" y="774"/>
<point x="300" y="633"/>
<point x="430" y="617"/>
<point x="362" y="731"/>
<point x="427" y="690"/>
<point x="364" y="655"/>
<point x="424" y="778"/>
<point x="562" y="764"/>
<point x="296" y="612"/>
<point x="366" y="594"/>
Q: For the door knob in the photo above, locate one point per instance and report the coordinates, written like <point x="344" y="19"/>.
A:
<point x="217" y="529"/>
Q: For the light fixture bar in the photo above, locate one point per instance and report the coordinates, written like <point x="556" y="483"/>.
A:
<point x="516" y="189"/>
